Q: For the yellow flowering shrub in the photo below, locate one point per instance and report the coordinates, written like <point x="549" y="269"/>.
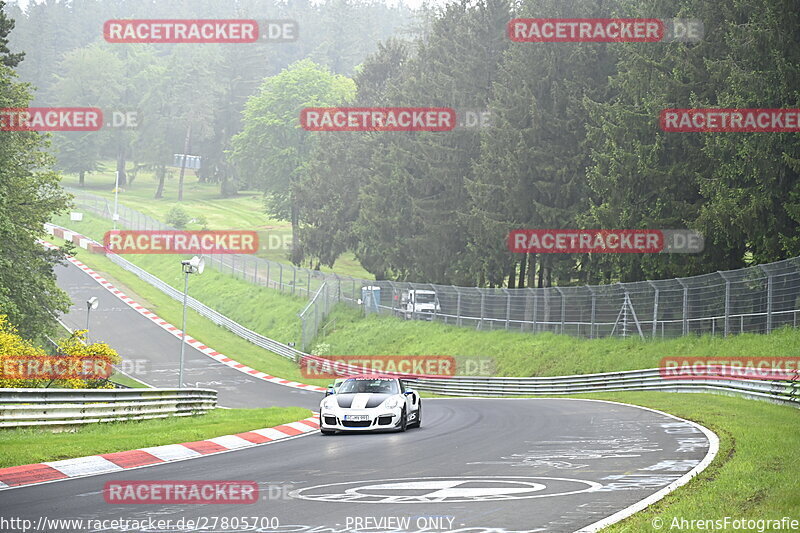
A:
<point x="19" y="356"/>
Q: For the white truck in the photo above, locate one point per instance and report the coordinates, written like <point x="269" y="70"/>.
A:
<point x="419" y="304"/>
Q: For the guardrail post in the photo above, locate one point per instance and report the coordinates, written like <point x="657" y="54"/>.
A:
<point x="594" y="311"/>
<point x="685" y="306"/>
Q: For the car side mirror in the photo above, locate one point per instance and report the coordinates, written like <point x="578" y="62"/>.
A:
<point x="409" y="391"/>
<point x="329" y="391"/>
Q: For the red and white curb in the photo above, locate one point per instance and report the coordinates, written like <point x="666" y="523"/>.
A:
<point x="93" y="465"/>
<point x="199" y="346"/>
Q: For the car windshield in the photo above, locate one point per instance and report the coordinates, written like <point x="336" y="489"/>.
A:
<point x="423" y="298"/>
<point x="375" y="386"/>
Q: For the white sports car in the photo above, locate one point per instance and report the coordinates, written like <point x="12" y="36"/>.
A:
<point x="370" y="403"/>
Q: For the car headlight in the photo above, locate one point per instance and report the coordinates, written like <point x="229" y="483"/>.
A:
<point x="391" y="403"/>
<point x="328" y="403"/>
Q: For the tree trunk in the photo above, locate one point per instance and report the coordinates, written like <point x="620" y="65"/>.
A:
<point x="523" y="263"/>
<point x="123" y="178"/>
<point x="161" y="173"/>
<point x="532" y="270"/>
<point x="81" y="176"/>
<point x="186" y="145"/>
<point x="297" y="246"/>
<point x="512" y="275"/>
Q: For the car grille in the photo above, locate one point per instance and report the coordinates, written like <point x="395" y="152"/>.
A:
<point x="330" y="420"/>
<point x="356" y="424"/>
<point x="384" y="420"/>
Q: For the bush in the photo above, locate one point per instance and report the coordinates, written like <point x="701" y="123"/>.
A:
<point x="177" y="217"/>
<point x="72" y="352"/>
<point x="202" y="221"/>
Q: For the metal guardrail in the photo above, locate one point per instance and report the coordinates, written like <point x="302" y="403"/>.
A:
<point x="777" y="390"/>
<point x="45" y="407"/>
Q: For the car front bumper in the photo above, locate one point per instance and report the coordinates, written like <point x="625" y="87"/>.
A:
<point x="379" y="419"/>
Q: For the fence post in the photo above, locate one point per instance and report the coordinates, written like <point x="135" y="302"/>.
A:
<point x="563" y="307"/>
<point x="268" y="263"/>
<point x="655" y="308"/>
<point x="594" y="311"/>
<point x="480" y="324"/>
<point x="727" y="302"/>
<point x="458" y="306"/>
<point x="535" y="306"/>
<point x="308" y="285"/>
<point x="769" y="297"/>
<point x="233" y="265"/>
<point x="280" y="277"/>
<point x="685" y="306"/>
<point x="508" y="305"/>
<point x="294" y="278"/>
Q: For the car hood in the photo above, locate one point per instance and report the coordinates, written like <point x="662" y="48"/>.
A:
<point x="361" y="400"/>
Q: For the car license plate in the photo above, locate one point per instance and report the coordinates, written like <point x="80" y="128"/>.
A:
<point x="356" y="418"/>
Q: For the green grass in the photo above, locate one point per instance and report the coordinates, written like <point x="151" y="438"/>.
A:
<point x="244" y="211"/>
<point x="754" y="475"/>
<point x="122" y="379"/>
<point x="545" y="354"/>
<point x="26" y="446"/>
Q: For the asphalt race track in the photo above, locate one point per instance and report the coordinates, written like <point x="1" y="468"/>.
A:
<point x="475" y="465"/>
<point x="153" y="354"/>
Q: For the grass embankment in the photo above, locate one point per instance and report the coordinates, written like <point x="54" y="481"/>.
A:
<point x="754" y="474"/>
<point x="544" y="354"/>
<point x="26" y="446"/>
<point x="243" y="211"/>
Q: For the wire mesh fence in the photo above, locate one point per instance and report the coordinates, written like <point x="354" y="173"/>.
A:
<point x="751" y="300"/>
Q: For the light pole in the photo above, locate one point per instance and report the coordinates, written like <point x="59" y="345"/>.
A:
<point x="91" y="303"/>
<point x="195" y="265"/>
<point x="116" y="194"/>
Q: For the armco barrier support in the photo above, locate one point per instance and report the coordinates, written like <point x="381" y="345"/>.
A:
<point x="43" y="407"/>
